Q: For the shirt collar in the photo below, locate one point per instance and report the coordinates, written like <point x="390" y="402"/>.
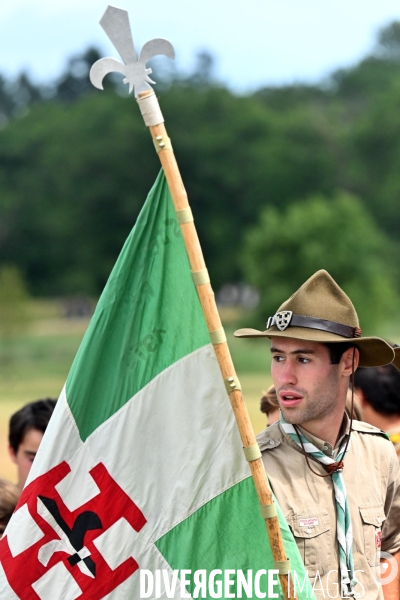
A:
<point x="321" y="444"/>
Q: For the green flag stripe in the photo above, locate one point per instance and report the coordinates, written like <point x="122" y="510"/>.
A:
<point x="229" y="533"/>
<point x="137" y="330"/>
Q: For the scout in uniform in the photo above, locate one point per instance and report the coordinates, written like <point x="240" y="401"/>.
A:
<point x="336" y="480"/>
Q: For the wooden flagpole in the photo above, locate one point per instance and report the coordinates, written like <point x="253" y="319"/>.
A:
<point x="179" y="197"/>
<point x="115" y="23"/>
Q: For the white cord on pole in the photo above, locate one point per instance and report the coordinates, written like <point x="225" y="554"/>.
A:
<point x="150" y="110"/>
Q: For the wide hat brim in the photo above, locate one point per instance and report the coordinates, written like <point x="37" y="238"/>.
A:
<point x="396" y="360"/>
<point x="374" y="352"/>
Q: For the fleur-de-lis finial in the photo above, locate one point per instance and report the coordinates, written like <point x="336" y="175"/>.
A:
<point x="115" y="23"/>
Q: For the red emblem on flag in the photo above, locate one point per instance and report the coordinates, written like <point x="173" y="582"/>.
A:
<point x="84" y="553"/>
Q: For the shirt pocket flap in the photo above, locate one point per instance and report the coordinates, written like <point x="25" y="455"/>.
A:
<point x="309" y="525"/>
<point x="372" y="515"/>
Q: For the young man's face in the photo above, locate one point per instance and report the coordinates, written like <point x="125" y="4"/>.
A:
<point x="25" y="454"/>
<point x="306" y="383"/>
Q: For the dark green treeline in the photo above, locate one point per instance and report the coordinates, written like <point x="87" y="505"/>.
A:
<point x="279" y="180"/>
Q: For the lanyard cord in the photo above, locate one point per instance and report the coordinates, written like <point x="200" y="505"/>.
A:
<point x="338" y="465"/>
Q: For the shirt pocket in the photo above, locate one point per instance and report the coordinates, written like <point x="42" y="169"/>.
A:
<point x="372" y="520"/>
<point x="312" y="532"/>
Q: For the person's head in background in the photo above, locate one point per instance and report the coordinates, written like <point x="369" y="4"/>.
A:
<point x="378" y="389"/>
<point x="8" y="501"/>
<point x="270" y="406"/>
<point x="26" y="430"/>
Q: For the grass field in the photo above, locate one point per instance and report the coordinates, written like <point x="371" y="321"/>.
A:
<point x="35" y="365"/>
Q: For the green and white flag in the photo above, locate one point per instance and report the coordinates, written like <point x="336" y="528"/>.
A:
<point x="141" y="468"/>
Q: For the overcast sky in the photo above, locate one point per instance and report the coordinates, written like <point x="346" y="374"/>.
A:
<point x="255" y="42"/>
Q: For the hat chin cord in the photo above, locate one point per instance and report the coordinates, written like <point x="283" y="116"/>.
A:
<point x="339" y="465"/>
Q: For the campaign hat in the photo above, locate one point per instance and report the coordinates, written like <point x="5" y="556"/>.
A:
<point x="396" y="360"/>
<point x="320" y="311"/>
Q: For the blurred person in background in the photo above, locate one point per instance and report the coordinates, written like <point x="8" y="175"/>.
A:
<point x="26" y="430"/>
<point x="378" y="390"/>
<point x="8" y="501"/>
<point x="270" y="406"/>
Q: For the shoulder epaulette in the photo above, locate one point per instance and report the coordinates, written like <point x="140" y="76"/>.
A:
<point x="270" y="438"/>
<point x="367" y="428"/>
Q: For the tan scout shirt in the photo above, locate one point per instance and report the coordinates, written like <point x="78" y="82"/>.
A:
<point x="372" y="480"/>
<point x="394" y="436"/>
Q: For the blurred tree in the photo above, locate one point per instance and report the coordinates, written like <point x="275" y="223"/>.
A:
<point x="360" y="86"/>
<point x="237" y="156"/>
<point x="73" y="178"/>
<point x="75" y="82"/>
<point x="16" y="96"/>
<point x="203" y="74"/>
<point x="74" y="172"/>
<point x="289" y="97"/>
<point x="14" y="299"/>
<point x="335" y="234"/>
<point x="374" y="143"/>
<point x="73" y="183"/>
<point x="6" y="102"/>
<point x="388" y="46"/>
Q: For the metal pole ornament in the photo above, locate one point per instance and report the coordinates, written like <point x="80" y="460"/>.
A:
<point x="115" y="23"/>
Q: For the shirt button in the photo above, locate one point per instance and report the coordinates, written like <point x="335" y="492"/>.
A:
<point x="272" y="442"/>
<point x="326" y="447"/>
<point x="309" y="530"/>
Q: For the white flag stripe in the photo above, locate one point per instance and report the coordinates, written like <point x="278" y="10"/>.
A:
<point x="187" y="396"/>
<point x="193" y="442"/>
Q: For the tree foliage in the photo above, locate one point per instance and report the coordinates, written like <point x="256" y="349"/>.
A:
<point x="74" y="178"/>
<point x="14" y="309"/>
<point x="76" y="165"/>
<point x="336" y="234"/>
